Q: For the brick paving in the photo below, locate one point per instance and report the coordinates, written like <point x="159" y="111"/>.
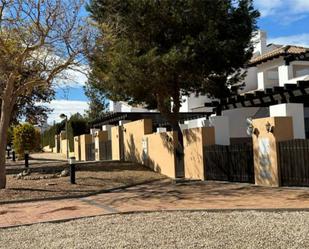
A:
<point x="161" y="195"/>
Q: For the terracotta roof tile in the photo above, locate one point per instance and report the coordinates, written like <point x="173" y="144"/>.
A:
<point x="285" y="50"/>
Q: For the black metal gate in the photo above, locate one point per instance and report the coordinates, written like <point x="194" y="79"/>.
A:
<point x="294" y="162"/>
<point x="106" y="150"/>
<point x="229" y="163"/>
<point x="90" y="152"/>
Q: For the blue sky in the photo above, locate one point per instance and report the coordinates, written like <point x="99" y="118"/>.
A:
<point x="285" y="21"/>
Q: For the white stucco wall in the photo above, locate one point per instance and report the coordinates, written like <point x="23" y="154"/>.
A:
<point x="194" y="104"/>
<point x="296" y="111"/>
<point x="237" y="120"/>
<point x="222" y="129"/>
<point x="250" y="80"/>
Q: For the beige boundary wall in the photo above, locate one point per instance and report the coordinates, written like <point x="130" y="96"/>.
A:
<point x="265" y="148"/>
<point x="100" y="136"/>
<point x="194" y="140"/>
<point x="116" y="133"/>
<point x="84" y="141"/>
<point x="160" y="155"/>
<point x="133" y="134"/>
<point x="63" y="145"/>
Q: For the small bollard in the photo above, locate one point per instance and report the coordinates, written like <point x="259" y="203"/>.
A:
<point x="13" y="156"/>
<point x="26" y="159"/>
<point x="72" y="170"/>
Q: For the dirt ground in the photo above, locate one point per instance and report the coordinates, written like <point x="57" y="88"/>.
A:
<point x="89" y="179"/>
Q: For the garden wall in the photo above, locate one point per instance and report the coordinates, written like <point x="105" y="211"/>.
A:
<point x="133" y="134"/>
<point x="159" y="152"/>
<point x="194" y="142"/>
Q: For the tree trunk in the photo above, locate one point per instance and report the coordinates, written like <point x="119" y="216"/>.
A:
<point x="4" y="125"/>
<point x="7" y="104"/>
<point x="173" y="119"/>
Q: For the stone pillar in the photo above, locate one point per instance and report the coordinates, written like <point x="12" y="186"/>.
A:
<point x="296" y="111"/>
<point x="84" y="141"/>
<point x="194" y="142"/>
<point x="77" y="151"/>
<point x="267" y="133"/>
<point x="99" y="136"/>
<point x="222" y="129"/>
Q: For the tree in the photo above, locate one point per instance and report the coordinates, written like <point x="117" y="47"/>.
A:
<point x="153" y="52"/>
<point x="39" y="41"/>
<point x="24" y="138"/>
<point x="77" y="125"/>
<point x="97" y="101"/>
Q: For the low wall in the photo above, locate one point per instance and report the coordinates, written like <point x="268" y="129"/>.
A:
<point x="84" y="140"/>
<point x="100" y="136"/>
<point x="194" y="142"/>
<point x="63" y="146"/>
<point x="133" y="134"/>
<point x="117" y="142"/>
<point x="160" y="152"/>
<point x="265" y="148"/>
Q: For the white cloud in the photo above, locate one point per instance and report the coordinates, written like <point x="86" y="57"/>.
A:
<point x="267" y="7"/>
<point x="75" y="77"/>
<point x="68" y="107"/>
<point x="287" y="11"/>
<point x="300" y="40"/>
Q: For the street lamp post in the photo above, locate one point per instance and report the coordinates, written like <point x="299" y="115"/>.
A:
<point x="65" y="117"/>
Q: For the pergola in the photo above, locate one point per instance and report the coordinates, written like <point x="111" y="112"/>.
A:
<point x="156" y="117"/>
<point x="289" y="93"/>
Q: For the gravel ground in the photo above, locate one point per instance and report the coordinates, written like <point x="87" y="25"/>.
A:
<point x="247" y="229"/>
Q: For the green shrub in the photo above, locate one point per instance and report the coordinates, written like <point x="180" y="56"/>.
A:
<point x="10" y="136"/>
<point x="48" y="136"/>
<point x="77" y="125"/>
<point x="24" y="138"/>
<point x="37" y="146"/>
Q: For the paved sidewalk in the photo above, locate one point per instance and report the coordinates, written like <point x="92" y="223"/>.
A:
<point x="162" y="195"/>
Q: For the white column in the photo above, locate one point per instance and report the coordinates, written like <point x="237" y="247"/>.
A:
<point x="222" y="129"/>
<point x="285" y="74"/>
<point x="261" y="80"/>
<point x="296" y="111"/>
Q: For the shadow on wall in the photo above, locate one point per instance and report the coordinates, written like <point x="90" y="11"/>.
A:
<point x="132" y="153"/>
<point x="190" y="136"/>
